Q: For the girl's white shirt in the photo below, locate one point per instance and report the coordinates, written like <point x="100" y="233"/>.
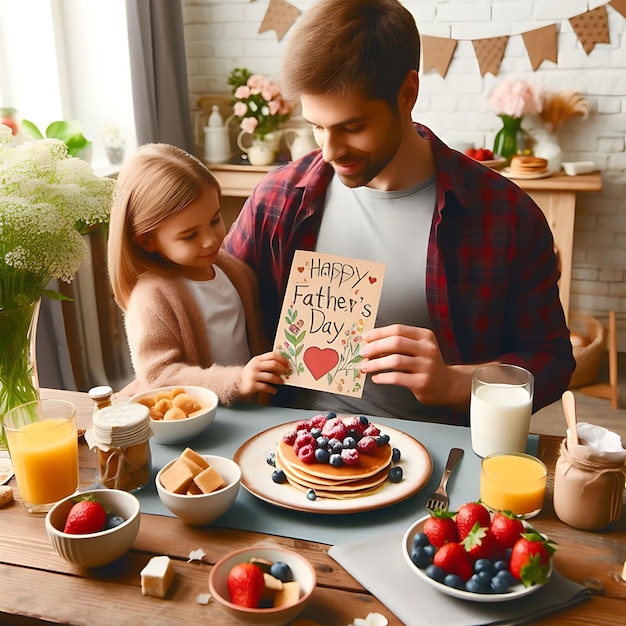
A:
<point x="224" y="318"/>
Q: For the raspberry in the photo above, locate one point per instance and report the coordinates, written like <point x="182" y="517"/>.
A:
<point x="304" y="439"/>
<point x="318" y="421"/>
<point x="350" y="456"/>
<point x="290" y="437"/>
<point x="371" y="431"/>
<point x="354" y="425"/>
<point x="306" y="454"/>
<point x="334" y="430"/>
<point x="303" y="425"/>
<point x="367" y="445"/>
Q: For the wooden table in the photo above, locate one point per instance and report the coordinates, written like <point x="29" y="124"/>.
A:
<point x="39" y="586"/>
<point x="555" y="196"/>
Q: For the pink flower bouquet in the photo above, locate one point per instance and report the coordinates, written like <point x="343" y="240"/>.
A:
<point x="516" y="97"/>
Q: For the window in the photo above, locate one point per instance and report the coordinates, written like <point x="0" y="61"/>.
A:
<point x="68" y="59"/>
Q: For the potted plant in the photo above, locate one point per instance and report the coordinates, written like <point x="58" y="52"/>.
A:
<point x="70" y="133"/>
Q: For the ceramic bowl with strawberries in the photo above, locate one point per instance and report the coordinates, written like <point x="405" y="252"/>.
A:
<point x="94" y="528"/>
<point x="185" y="428"/>
<point x="237" y="588"/>
<point x="203" y="508"/>
<point x="479" y="555"/>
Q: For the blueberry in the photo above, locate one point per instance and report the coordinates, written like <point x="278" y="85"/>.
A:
<point x="282" y="571"/>
<point x="484" y="565"/>
<point x="335" y="460"/>
<point x="500" y="584"/>
<point x="315" y="432"/>
<point x="270" y="459"/>
<point x="395" y="455"/>
<point x="114" y="520"/>
<point x="278" y="476"/>
<point x="435" y="572"/>
<point x="507" y="577"/>
<point x="385" y="438"/>
<point x="310" y="494"/>
<point x="420" y="539"/>
<point x="322" y="455"/>
<point x="331" y="415"/>
<point x="349" y="442"/>
<point x="395" y="474"/>
<point x="452" y="580"/>
<point x="322" y="442"/>
<point x="334" y="445"/>
<point x="430" y="550"/>
<point x="500" y="566"/>
<point x="420" y="557"/>
<point x="476" y="584"/>
<point x="363" y="420"/>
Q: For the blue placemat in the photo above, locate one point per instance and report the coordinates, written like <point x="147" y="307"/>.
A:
<point x="234" y="426"/>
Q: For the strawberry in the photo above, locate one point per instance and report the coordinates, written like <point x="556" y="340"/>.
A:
<point x="530" y="559"/>
<point x="507" y="528"/>
<point x="470" y="152"/>
<point x="468" y="515"/>
<point x="86" y="516"/>
<point x="453" y="559"/>
<point x="245" y="584"/>
<point x="479" y="155"/>
<point x="481" y="543"/>
<point x="440" y="528"/>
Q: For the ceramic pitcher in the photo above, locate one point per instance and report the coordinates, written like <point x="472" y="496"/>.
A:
<point x="300" y="141"/>
<point x="259" y="151"/>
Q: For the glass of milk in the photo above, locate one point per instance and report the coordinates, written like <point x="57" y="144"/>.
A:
<point x="500" y="408"/>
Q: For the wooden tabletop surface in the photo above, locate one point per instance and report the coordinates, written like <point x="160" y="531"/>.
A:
<point x="37" y="585"/>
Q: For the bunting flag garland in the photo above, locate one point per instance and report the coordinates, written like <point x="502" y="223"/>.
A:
<point x="280" y="17"/>
<point x="591" y="28"/>
<point x="619" y="6"/>
<point x="437" y="53"/>
<point x="541" y="45"/>
<point x="489" y="53"/>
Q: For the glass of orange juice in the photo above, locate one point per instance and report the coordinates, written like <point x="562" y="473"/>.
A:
<point x="513" y="482"/>
<point x="43" y="445"/>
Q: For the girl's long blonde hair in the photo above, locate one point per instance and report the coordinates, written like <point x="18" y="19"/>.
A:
<point x="157" y="183"/>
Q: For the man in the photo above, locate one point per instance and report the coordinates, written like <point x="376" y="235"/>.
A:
<point x="471" y="272"/>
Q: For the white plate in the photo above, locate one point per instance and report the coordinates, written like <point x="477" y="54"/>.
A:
<point x="507" y="172"/>
<point x="6" y="470"/>
<point x="495" y="163"/>
<point x="515" y="592"/>
<point x="256" y="475"/>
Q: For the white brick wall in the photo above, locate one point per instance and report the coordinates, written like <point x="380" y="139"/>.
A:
<point x="221" y="35"/>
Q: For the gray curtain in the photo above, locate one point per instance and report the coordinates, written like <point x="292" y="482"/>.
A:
<point x="159" y="72"/>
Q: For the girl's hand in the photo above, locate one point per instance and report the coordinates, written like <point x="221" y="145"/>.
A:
<point x="261" y="372"/>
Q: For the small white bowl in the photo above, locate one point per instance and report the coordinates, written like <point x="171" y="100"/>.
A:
<point x="95" y="549"/>
<point x="303" y="572"/>
<point x="202" y="509"/>
<point x="177" y="431"/>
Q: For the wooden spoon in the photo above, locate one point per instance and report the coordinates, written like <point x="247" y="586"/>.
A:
<point x="569" y="407"/>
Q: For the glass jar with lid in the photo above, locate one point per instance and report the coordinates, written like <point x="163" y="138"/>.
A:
<point x="121" y="437"/>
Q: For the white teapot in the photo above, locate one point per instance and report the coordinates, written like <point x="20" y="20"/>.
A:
<point x="300" y="141"/>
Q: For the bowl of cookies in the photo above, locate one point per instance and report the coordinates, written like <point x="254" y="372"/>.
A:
<point x="178" y="413"/>
<point x="198" y="488"/>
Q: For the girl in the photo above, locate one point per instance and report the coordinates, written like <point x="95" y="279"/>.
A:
<point x="191" y="310"/>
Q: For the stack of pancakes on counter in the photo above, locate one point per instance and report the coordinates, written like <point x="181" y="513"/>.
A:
<point x="341" y="483"/>
<point x="527" y="165"/>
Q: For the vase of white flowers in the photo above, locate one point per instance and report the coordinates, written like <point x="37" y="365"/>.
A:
<point x="48" y="201"/>
<point x="259" y="107"/>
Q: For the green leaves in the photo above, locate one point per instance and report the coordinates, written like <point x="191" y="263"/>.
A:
<point x="70" y="133"/>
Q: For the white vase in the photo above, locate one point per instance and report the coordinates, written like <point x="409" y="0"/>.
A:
<point x="547" y="147"/>
<point x="259" y="151"/>
<point x="300" y="141"/>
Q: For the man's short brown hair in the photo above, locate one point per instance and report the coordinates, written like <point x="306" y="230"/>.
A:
<point x="344" y="45"/>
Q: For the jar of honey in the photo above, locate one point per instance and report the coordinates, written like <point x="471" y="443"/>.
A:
<point x="121" y="437"/>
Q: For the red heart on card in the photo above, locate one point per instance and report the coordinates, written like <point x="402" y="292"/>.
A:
<point x="320" y="361"/>
<point x="300" y="269"/>
<point x="372" y="280"/>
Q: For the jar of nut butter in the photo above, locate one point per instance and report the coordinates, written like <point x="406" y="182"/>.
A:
<point x="121" y="438"/>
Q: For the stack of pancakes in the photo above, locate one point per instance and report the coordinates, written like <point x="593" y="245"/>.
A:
<point x="341" y="483"/>
<point x="527" y="165"/>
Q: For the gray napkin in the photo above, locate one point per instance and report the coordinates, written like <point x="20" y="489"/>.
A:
<point x="377" y="563"/>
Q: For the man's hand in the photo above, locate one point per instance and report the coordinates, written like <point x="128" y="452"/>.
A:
<point x="409" y="356"/>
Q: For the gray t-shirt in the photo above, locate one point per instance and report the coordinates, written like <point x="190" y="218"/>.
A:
<point x="390" y="227"/>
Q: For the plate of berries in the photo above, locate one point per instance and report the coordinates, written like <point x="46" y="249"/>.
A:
<point x="477" y="555"/>
<point x="333" y="464"/>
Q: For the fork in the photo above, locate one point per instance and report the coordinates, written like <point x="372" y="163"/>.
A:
<point x="438" y="500"/>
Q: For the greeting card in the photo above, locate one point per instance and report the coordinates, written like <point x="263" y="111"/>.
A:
<point x="330" y="301"/>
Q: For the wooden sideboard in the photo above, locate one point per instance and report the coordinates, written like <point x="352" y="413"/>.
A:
<point x="555" y="195"/>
